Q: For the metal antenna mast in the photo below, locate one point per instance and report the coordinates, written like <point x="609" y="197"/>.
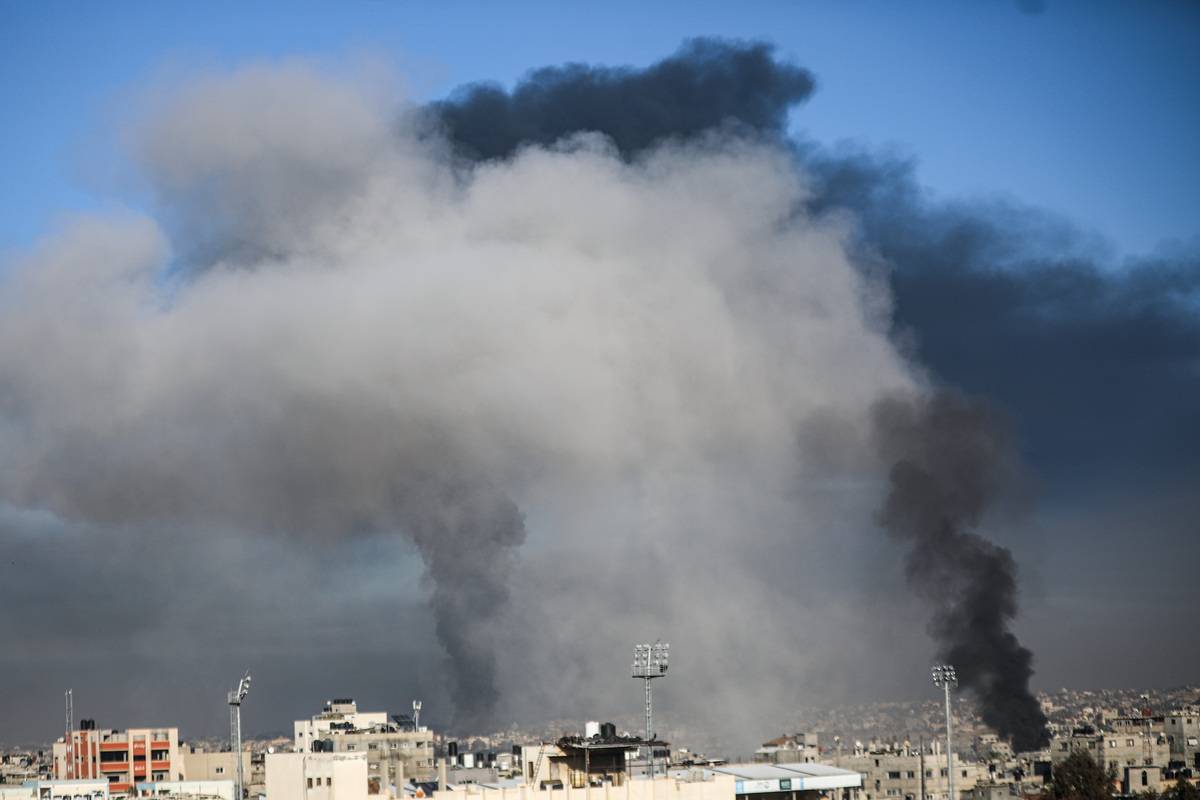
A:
<point x="235" y="729"/>
<point x="416" y="715"/>
<point x="944" y="677"/>
<point x="650" y="662"/>
<point x="70" y="757"/>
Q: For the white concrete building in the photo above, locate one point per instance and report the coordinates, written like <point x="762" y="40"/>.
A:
<point x="317" y="776"/>
<point x="187" y="790"/>
<point x="92" y="789"/>
<point x="396" y="753"/>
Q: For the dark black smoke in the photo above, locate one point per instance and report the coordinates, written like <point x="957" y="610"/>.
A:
<point x="468" y="537"/>
<point x="1002" y="300"/>
<point x="705" y="85"/>
<point x="950" y="459"/>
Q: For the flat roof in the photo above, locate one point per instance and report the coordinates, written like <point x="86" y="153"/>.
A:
<point x="765" y="778"/>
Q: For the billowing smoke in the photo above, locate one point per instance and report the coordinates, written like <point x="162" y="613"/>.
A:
<point x="334" y="330"/>
<point x="604" y="352"/>
<point x="951" y="458"/>
<point x="707" y="85"/>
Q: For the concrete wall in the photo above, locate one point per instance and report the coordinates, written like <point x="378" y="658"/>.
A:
<point x="316" y="776"/>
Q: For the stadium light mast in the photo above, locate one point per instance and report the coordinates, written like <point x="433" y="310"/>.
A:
<point x="945" y="678"/>
<point x="650" y="662"/>
<point x="235" y="729"/>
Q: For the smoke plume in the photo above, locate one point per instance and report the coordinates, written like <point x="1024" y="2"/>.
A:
<point x="951" y="458"/>
<point x="601" y="355"/>
<point x="334" y="330"/>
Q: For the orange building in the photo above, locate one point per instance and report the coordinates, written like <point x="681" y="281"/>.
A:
<point x="123" y="758"/>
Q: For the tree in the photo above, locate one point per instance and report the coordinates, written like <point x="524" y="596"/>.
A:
<point x="1080" y="777"/>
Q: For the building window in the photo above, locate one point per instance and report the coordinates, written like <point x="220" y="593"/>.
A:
<point x="219" y="770"/>
<point x="310" y="783"/>
<point x="894" y="776"/>
<point x="329" y="781"/>
<point x="1145" y="780"/>
<point x="912" y="774"/>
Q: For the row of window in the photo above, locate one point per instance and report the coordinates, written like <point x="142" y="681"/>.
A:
<point x="895" y="776"/>
<point x="328" y="782"/>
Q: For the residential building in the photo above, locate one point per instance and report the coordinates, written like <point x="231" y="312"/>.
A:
<point x="802" y="748"/>
<point x="217" y="765"/>
<point x="397" y="752"/>
<point x="1183" y="736"/>
<point x="123" y="758"/>
<point x="908" y="775"/>
<point x="317" y="776"/>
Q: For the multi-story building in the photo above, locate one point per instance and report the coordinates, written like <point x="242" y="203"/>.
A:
<point x="1131" y="747"/>
<point x="317" y="776"/>
<point x="798" y="748"/>
<point x="1183" y="736"/>
<point x="396" y="752"/>
<point x="123" y="758"/>
<point x="906" y="775"/>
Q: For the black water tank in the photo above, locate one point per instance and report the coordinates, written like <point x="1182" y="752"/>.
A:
<point x="452" y="750"/>
<point x="608" y="731"/>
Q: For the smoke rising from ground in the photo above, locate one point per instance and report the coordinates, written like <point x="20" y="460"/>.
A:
<point x="951" y="458"/>
<point x="333" y="330"/>
<point x="602" y="353"/>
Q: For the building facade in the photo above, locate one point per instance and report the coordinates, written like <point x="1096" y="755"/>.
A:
<point x="94" y="789"/>
<point x="122" y="758"/>
<point x="905" y="775"/>
<point x="396" y="753"/>
<point x="317" y="776"/>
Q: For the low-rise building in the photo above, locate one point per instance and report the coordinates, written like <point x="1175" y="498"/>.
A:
<point x="82" y="789"/>
<point x="188" y="790"/>
<point x="317" y="776"/>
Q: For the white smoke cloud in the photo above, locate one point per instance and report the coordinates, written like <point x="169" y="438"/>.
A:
<point x="641" y="357"/>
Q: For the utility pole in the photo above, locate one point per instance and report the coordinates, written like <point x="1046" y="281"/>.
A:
<point x="944" y="678"/>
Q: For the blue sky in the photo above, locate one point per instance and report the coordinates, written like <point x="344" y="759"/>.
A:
<point x="1085" y="109"/>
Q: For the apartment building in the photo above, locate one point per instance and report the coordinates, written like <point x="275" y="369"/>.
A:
<point x="1182" y="728"/>
<point x="396" y="752"/>
<point x="122" y="758"/>
<point x="1131" y="747"/>
<point x="900" y="775"/>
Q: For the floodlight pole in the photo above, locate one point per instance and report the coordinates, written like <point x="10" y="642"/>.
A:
<point x="650" y="662"/>
<point x="945" y="677"/>
<point x="235" y="730"/>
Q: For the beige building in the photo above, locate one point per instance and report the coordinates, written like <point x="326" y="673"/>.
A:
<point x="802" y="748"/>
<point x="1182" y="728"/>
<point x="316" y="776"/>
<point x="1128" y="748"/>
<point x="201" y="765"/>
<point x="899" y="775"/>
<point x="395" y="753"/>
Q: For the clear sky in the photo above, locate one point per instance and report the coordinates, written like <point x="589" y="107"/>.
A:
<point x="1086" y="109"/>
